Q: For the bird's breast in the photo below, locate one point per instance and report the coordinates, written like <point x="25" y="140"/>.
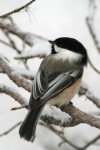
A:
<point x="66" y="95"/>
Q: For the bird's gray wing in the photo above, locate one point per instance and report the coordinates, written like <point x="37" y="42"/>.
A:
<point x="61" y="82"/>
<point x="39" y="88"/>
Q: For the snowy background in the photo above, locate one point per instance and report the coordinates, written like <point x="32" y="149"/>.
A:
<point x="50" y="19"/>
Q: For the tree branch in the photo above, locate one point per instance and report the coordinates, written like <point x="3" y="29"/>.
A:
<point x="26" y="37"/>
<point x="11" y="129"/>
<point x="13" y="93"/>
<point x="9" y="45"/>
<point x="93" y="67"/>
<point x="90" y="22"/>
<point x="80" y="116"/>
<point x="91" y="142"/>
<point x="17" y="10"/>
<point x="84" y="90"/>
<point x="59" y="134"/>
<point x="14" y="76"/>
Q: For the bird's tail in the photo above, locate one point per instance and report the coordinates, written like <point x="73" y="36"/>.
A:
<point x="28" y="127"/>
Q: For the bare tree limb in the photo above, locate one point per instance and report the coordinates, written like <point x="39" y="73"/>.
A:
<point x="91" y="142"/>
<point x="21" y="57"/>
<point x="94" y="68"/>
<point x="11" y="41"/>
<point x="90" y="22"/>
<point x="59" y="134"/>
<point x="17" y="108"/>
<point x="11" y="129"/>
<point x="17" y="10"/>
<point x="9" y="45"/>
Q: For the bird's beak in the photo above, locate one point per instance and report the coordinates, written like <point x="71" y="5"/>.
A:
<point x="51" y="42"/>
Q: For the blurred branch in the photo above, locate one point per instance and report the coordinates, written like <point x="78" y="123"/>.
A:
<point x="94" y="68"/>
<point x="90" y="22"/>
<point x="28" y="38"/>
<point x="17" y="10"/>
<point x="21" y="107"/>
<point x="9" y="45"/>
<point x="11" y="41"/>
<point x="13" y="29"/>
<point x="59" y="134"/>
<point x="11" y="129"/>
<point x="84" y="90"/>
<point x="92" y="32"/>
<point x="21" y="57"/>
<point x="91" y="142"/>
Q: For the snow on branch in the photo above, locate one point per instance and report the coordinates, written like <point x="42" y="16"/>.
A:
<point x="28" y="38"/>
<point x="13" y="93"/>
<point x="17" y="10"/>
<point x="84" y="90"/>
<point x="15" y="76"/>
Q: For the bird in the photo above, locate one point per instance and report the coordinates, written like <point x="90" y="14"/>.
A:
<point x="57" y="81"/>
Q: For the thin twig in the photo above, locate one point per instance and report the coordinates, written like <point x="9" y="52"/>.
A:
<point x="11" y="129"/>
<point x="11" y="41"/>
<point x="17" y="10"/>
<point x="22" y="57"/>
<point x="94" y="68"/>
<point x="88" y="22"/>
<point x="59" y="134"/>
<point x="17" y="108"/>
<point x="13" y="29"/>
<point x="91" y="142"/>
<point x="9" y="45"/>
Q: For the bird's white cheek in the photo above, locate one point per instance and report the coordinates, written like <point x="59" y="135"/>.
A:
<point x="65" y="54"/>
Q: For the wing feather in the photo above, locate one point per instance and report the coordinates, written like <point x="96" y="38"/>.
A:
<point x="40" y="86"/>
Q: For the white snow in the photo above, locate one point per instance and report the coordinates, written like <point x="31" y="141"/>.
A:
<point x="56" y="113"/>
<point x="40" y="47"/>
<point x="50" y="19"/>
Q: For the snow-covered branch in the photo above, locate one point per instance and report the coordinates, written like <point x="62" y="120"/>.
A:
<point x="15" y="76"/>
<point x="13" y="29"/>
<point x="13" y="93"/>
<point x="28" y="38"/>
<point x="84" y="90"/>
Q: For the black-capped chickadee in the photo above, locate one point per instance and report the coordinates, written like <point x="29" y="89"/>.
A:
<point x="57" y="81"/>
